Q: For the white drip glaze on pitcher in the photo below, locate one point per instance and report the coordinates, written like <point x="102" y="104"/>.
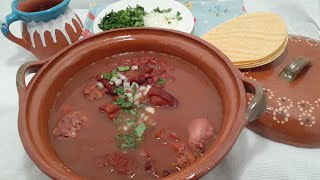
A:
<point x="51" y="26"/>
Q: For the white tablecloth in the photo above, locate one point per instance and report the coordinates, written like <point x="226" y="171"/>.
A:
<point x="252" y="157"/>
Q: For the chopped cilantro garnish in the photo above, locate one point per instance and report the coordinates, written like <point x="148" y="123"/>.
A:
<point x="123" y="68"/>
<point x="133" y="112"/>
<point x="129" y="17"/>
<point x="126" y="110"/>
<point x="131" y="122"/>
<point x="115" y="73"/>
<point x="118" y="120"/>
<point x="161" y="81"/>
<point x="139" y="131"/>
<point x="134" y="89"/>
<point x="126" y="141"/>
<point x="122" y="102"/>
<point x="119" y="91"/>
<point x="127" y="104"/>
<point x="162" y="11"/>
<point x="178" y="16"/>
<point x="107" y="76"/>
<point x="119" y="101"/>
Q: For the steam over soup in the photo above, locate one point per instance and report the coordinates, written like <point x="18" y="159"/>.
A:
<point x="141" y="115"/>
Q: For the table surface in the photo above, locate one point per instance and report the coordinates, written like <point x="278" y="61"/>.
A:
<point x="252" y="157"/>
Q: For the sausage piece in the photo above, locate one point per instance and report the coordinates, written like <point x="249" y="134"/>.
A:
<point x="160" y="97"/>
<point x="112" y="110"/>
<point x="200" y="132"/>
<point x="135" y="76"/>
<point x="92" y="92"/>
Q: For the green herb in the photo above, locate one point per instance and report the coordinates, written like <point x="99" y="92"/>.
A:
<point x="162" y="11"/>
<point x="178" y="16"/>
<point x="130" y="17"/>
<point x="140" y="130"/>
<point x="118" y="121"/>
<point x="123" y="68"/>
<point x="127" y="104"/>
<point x="122" y="102"/>
<point x="126" y="141"/>
<point x="126" y="111"/>
<point x="115" y="73"/>
<point x="107" y="76"/>
<point x="134" y="89"/>
<point x="131" y="122"/>
<point x="119" y="101"/>
<point x="119" y="91"/>
<point x="133" y="112"/>
<point x="161" y="81"/>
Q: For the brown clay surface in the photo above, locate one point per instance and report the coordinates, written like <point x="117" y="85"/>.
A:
<point x="293" y="113"/>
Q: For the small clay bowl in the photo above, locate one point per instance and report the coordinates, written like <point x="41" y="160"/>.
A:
<point x="36" y="99"/>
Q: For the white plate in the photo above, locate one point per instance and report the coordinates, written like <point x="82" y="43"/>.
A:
<point x="185" y="25"/>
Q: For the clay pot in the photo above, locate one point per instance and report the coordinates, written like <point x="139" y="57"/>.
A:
<point x="37" y="98"/>
<point x="47" y="26"/>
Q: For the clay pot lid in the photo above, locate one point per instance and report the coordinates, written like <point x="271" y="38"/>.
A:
<point x="293" y="89"/>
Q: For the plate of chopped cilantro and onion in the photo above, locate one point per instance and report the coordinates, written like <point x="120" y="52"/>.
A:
<point x="168" y="14"/>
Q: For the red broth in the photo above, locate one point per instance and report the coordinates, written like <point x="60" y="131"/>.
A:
<point x="85" y="152"/>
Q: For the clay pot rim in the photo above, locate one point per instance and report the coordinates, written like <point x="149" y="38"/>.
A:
<point x="233" y="131"/>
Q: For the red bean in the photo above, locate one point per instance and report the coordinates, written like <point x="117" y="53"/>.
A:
<point x="155" y="79"/>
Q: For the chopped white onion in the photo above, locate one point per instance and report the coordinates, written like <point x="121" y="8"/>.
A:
<point x="129" y="95"/>
<point x="127" y="89"/>
<point x="150" y="109"/>
<point x="142" y="88"/>
<point x="113" y="79"/>
<point x="130" y="99"/>
<point x="142" y="115"/>
<point x="126" y="85"/>
<point x="122" y="77"/>
<point x="147" y="90"/>
<point x="134" y="67"/>
<point x="145" y="118"/>
<point x="137" y="96"/>
<point x="100" y="85"/>
<point x="153" y="123"/>
<point x="136" y="103"/>
<point x="118" y="82"/>
<point x="134" y="83"/>
<point x="125" y="128"/>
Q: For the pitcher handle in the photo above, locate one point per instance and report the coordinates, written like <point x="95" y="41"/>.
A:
<point x="5" y="28"/>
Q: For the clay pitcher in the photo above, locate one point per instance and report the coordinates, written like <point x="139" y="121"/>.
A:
<point x="47" y="25"/>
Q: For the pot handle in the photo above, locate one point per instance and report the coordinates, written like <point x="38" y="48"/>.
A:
<point x="259" y="103"/>
<point x="23" y="71"/>
<point x="294" y="68"/>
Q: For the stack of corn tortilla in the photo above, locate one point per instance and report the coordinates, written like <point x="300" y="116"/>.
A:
<point x="251" y="40"/>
